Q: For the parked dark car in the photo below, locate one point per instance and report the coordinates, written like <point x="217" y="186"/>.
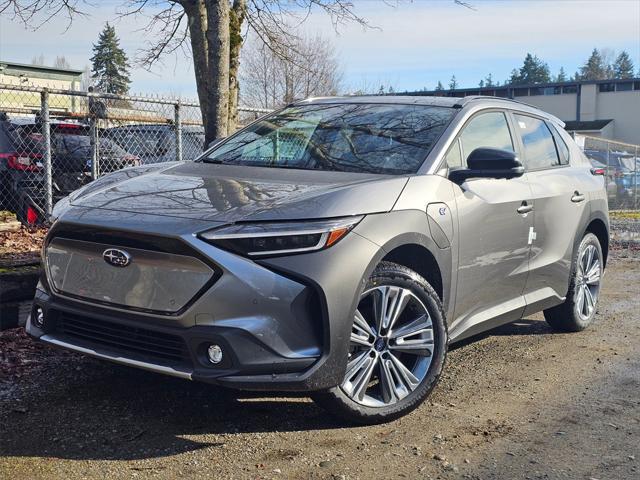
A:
<point x="22" y="147"/>
<point x="621" y="170"/>
<point x="157" y="143"/>
<point x="21" y="176"/>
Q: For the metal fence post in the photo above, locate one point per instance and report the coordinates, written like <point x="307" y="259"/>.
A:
<point x="636" y="164"/>
<point x="46" y="134"/>
<point x="95" y="109"/>
<point x="610" y="175"/>
<point x="93" y="138"/>
<point x="178" y="125"/>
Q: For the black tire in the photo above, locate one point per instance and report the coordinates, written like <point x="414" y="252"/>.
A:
<point x="337" y="402"/>
<point x="565" y="317"/>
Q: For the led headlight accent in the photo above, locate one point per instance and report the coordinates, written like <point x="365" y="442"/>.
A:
<point x="278" y="238"/>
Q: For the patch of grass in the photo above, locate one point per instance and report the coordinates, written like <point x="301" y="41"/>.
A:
<point x="22" y="269"/>
<point x="625" y="214"/>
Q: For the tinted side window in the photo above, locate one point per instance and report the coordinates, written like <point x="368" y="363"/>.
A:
<point x="489" y="130"/>
<point x="539" y="147"/>
<point x="563" y="149"/>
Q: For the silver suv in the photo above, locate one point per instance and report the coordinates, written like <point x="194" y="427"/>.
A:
<point x="335" y="247"/>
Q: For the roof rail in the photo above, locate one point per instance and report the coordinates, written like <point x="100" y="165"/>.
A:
<point x="471" y="98"/>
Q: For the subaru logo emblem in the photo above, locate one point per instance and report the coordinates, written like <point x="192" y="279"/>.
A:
<point x="116" y="257"/>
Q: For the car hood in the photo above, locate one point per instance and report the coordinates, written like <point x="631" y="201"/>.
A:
<point x="230" y="193"/>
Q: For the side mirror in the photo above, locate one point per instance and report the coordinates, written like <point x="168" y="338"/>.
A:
<point x="489" y="163"/>
<point x="215" y="142"/>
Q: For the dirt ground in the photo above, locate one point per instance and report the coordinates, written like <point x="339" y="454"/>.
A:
<point x="520" y="402"/>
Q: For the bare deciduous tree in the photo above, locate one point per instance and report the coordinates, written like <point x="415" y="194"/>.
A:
<point x="307" y="69"/>
<point x="211" y="30"/>
<point x="35" y="13"/>
<point x="86" y="81"/>
<point x="61" y="62"/>
<point x="38" y="60"/>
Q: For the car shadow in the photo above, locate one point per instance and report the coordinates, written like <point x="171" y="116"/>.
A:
<point x="98" y="411"/>
<point x="520" y="327"/>
<point x="79" y="408"/>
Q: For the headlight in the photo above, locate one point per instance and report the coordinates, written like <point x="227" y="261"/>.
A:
<point x="279" y="238"/>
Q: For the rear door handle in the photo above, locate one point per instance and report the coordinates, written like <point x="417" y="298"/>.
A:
<point x="525" y="208"/>
<point x="577" y="197"/>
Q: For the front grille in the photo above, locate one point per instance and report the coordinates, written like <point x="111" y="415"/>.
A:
<point x="164" y="283"/>
<point x="124" y="338"/>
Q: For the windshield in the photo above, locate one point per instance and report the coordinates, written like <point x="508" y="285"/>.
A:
<point x="81" y="145"/>
<point x="374" y="138"/>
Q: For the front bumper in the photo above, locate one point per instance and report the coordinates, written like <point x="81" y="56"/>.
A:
<point x="175" y="351"/>
<point x="283" y="323"/>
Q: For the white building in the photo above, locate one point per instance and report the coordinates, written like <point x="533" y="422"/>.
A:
<point x="604" y="108"/>
<point x="23" y="75"/>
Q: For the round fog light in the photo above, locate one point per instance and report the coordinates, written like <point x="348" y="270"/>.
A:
<point x="215" y="353"/>
<point x="38" y="318"/>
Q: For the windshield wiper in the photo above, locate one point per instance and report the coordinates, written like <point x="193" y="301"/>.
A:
<point x="214" y="161"/>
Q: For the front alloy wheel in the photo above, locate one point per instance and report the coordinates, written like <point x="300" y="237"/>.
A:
<point x="397" y="348"/>
<point x="391" y="347"/>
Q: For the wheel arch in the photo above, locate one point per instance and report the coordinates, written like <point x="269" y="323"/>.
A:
<point x="403" y="237"/>
<point x="419" y="259"/>
<point x="598" y="227"/>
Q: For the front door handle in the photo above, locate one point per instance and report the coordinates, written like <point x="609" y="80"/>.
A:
<point x="577" y="197"/>
<point x="525" y="208"/>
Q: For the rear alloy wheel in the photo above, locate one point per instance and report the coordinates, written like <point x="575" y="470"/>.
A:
<point x="579" y="308"/>
<point x="396" y="349"/>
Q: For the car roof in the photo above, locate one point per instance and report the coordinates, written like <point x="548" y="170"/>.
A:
<point x="154" y="127"/>
<point x="23" y="121"/>
<point x="451" y="102"/>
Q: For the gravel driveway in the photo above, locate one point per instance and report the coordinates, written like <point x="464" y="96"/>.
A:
<point x="519" y="402"/>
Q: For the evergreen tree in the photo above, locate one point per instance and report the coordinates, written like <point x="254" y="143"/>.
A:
<point x="488" y="81"/>
<point x="623" y="66"/>
<point x="110" y="68"/>
<point x="533" y="70"/>
<point x="453" y="83"/>
<point x="562" y="75"/>
<point x="595" y="68"/>
<point x="514" y="79"/>
<point x="439" y="87"/>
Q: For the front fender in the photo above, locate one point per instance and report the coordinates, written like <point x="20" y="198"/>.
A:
<point x="403" y="228"/>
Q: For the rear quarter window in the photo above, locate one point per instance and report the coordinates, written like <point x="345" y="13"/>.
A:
<point x="539" y="145"/>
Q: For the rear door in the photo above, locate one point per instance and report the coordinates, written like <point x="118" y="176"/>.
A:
<point x="493" y="224"/>
<point x="560" y="206"/>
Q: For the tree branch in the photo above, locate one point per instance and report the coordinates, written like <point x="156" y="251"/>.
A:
<point x="35" y="13"/>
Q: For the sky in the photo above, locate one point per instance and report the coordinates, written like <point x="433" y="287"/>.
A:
<point x="411" y="46"/>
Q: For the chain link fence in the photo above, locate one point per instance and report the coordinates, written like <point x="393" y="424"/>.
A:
<point x="621" y="164"/>
<point x="55" y="141"/>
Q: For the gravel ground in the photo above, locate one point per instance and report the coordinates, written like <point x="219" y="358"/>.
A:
<point x="519" y="402"/>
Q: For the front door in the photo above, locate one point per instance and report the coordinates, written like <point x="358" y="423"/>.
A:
<point x="494" y="224"/>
